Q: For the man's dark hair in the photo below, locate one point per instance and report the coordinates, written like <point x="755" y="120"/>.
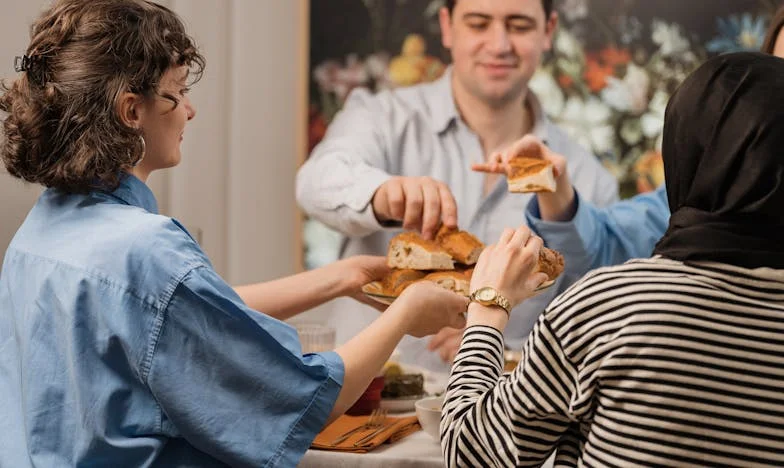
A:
<point x="546" y="4"/>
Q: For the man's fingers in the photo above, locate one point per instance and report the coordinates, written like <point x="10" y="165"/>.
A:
<point x="448" y="206"/>
<point x="414" y="200"/>
<point x="431" y="210"/>
<point x="439" y="339"/>
<point x="396" y="200"/>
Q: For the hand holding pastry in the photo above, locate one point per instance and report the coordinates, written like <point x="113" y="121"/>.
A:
<point x="360" y="270"/>
<point x="429" y="308"/>
<point x="509" y="266"/>
<point x="521" y="163"/>
<point x="421" y="203"/>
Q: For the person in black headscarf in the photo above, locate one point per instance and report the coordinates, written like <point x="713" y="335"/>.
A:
<point x="724" y="164"/>
<point x="673" y="360"/>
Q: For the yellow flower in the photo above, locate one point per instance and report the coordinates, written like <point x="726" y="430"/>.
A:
<point x="412" y="66"/>
<point x="650" y="171"/>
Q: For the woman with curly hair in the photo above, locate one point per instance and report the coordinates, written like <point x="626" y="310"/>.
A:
<point x="119" y="343"/>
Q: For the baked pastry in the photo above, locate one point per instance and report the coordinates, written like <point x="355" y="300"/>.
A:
<point x="397" y="280"/>
<point x="530" y="175"/>
<point x="550" y="262"/>
<point x="463" y="246"/>
<point x="452" y="280"/>
<point x="410" y="250"/>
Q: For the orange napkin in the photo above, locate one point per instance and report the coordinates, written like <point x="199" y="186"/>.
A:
<point x="394" y="430"/>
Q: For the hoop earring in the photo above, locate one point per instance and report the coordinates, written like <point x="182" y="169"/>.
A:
<point x="144" y="150"/>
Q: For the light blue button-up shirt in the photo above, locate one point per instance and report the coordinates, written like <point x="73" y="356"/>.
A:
<point x="121" y="346"/>
<point x="598" y="237"/>
<point x="418" y="131"/>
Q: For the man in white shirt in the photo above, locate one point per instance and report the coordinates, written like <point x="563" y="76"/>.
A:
<point x="402" y="158"/>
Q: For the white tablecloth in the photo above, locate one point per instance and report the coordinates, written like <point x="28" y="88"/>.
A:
<point x="417" y="450"/>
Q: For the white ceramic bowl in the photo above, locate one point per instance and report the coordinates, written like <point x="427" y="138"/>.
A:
<point x="428" y="411"/>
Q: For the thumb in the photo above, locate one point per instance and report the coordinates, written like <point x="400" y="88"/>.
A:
<point x="536" y="280"/>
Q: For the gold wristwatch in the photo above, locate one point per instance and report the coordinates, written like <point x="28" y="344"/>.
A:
<point x="488" y="296"/>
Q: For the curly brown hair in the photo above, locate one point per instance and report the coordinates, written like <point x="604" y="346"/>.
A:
<point x="62" y="128"/>
<point x="769" y="45"/>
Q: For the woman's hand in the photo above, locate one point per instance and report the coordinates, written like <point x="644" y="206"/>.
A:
<point x="508" y="266"/>
<point x="360" y="270"/>
<point x="553" y="206"/>
<point x="428" y="308"/>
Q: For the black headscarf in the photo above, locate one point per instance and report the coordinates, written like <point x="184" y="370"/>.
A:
<point x="723" y="150"/>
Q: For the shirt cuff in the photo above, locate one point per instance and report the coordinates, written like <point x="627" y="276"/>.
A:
<point x="315" y="416"/>
<point x="362" y="196"/>
<point x="485" y="343"/>
<point x="568" y="237"/>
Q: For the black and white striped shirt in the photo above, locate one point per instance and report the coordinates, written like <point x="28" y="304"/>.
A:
<point x="650" y="363"/>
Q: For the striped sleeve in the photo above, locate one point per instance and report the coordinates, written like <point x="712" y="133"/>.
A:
<point x="515" y="420"/>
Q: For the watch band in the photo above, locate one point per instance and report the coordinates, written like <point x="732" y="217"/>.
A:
<point x="497" y="300"/>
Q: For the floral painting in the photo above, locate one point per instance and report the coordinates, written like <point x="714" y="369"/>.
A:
<point x="613" y="67"/>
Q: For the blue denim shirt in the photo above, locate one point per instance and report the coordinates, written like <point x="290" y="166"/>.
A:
<point x="121" y="346"/>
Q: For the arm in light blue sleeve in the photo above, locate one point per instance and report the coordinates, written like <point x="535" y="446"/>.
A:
<point x="233" y="382"/>
<point x="598" y="237"/>
<point x="337" y="183"/>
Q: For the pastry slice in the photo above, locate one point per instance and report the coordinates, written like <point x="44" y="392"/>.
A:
<point x="410" y="250"/>
<point x="530" y="175"/>
<point x="452" y="280"/>
<point x="463" y="246"/>
<point x="394" y="283"/>
<point x="550" y="262"/>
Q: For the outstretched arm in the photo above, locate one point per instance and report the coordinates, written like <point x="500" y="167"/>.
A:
<point x="286" y="297"/>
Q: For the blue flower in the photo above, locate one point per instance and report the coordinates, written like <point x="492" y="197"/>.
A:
<point x="739" y="33"/>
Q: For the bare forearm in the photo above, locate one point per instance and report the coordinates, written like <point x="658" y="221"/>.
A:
<point x="365" y="354"/>
<point x="286" y="297"/>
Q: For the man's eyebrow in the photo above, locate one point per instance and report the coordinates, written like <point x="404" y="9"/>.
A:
<point x="485" y="16"/>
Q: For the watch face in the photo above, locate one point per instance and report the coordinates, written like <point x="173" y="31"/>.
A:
<point x="485" y="294"/>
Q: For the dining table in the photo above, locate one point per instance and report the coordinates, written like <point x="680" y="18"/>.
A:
<point x="418" y="450"/>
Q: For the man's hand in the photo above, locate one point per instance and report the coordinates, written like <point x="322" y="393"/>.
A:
<point x="421" y="203"/>
<point x="446" y="343"/>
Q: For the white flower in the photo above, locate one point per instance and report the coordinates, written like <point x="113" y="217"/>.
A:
<point x="653" y="120"/>
<point x="629" y="94"/>
<point x="587" y="122"/>
<point x="669" y="38"/>
<point x="567" y="44"/>
<point x="377" y="66"/>
<point x="631" y="131"/>
<point x="325" y="75"/>
<point x="548" y="92"/>
<point x="574" y="9"/>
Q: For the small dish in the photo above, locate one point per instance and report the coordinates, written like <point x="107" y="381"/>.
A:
<point x="400" y="405"/>
<point x="428" y="411"/>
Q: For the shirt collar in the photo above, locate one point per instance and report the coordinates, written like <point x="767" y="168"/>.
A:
<point x="133" y="191"/>
<point x="443" y="110"/>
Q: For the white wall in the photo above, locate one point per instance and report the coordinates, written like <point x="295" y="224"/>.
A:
<point x="16" y="197"/>
<point x="236" y="181"/>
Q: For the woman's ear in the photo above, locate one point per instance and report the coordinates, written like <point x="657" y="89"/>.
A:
<point x="129" y="109"/>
